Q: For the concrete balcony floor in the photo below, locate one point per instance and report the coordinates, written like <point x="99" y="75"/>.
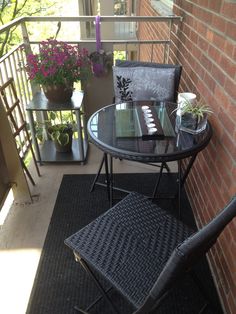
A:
<point x="23" y="232"/>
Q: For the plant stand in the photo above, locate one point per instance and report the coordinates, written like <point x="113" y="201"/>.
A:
<point x="47" y="151"/>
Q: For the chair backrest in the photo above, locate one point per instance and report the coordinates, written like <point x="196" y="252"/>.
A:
<point x="188" y="253"/>
<point x="131" y="78"/>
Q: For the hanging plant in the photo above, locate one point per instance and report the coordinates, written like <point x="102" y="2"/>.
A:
<point x="101" y="62"/>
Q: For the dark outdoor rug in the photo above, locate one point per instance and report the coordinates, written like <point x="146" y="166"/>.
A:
<point x="61" y="283"/>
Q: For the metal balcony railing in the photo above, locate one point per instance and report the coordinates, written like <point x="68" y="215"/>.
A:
<point x="118" y="33"/>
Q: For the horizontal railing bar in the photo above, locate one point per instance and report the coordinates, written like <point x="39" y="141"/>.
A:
<point x="10" y="52"/>
<point x="9" y="25"/>
<point x="102" y="18"/>
<point x="87" y="19"/>
<point x="115" y="41"/>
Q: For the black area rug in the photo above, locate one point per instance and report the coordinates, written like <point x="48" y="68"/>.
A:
<point x="61" y="283"/>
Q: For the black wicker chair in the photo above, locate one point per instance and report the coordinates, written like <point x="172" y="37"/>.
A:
<point x="142" y="250"/>
<point x="177" y="75"/>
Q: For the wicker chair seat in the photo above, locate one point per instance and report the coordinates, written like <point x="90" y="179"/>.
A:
<point x="122" y="244"/>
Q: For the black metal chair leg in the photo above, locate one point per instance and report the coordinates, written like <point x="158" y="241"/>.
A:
<point x="80" y="310"/>
<point x="97" y="283"/>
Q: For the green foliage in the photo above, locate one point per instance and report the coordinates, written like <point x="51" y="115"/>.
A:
<point x="60" y="133"/>
<point x="10" y="10"/>
<point x="58" y="127"/>
<point x="119" y="55"/>
<point x="197" y="109"/>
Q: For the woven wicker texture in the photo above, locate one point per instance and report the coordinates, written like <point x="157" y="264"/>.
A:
<point x="134" y="237"/>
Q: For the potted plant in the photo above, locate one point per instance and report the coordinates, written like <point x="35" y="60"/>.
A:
<point x="56" y="67"/>
<point x="193" y="116"/>
<point x="101" y="62"/>
<point x="59" y="131"/>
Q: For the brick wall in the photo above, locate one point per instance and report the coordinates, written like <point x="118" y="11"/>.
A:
<point x="205" y="44"/>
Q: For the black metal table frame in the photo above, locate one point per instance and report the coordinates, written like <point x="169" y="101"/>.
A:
<point x="112" y="152"/>
<point x="181" y="178"/>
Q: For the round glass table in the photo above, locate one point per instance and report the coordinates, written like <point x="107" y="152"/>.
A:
<point x="144" y="131"/>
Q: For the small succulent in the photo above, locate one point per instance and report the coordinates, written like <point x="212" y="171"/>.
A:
<point x="197" y="109"/>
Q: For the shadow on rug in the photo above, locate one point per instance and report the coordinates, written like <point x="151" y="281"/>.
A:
<point x="61" y="283"/>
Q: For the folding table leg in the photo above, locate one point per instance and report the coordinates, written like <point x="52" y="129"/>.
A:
<point x="111" y="181"/>
<point x="98" y="174"/>
<point x="158" y="181"/>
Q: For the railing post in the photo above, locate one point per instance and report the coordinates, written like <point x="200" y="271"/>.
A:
<point x="34" y="87"/>
<point x="167" y="46"/>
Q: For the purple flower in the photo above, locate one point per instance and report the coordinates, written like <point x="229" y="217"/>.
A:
<point x="57" y="62"/>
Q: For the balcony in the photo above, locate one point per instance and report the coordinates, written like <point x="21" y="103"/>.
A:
<point x="25" y="228"/>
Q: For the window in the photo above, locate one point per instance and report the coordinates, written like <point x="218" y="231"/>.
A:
<point x="163" y="7"/>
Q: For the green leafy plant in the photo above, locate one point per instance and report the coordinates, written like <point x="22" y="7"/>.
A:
<point x="58" y="128"/>
<point x="198" y="109"/>
<point x="60" y="133"/>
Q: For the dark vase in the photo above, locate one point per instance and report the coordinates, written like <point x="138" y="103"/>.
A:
<point x="58" y="93"/>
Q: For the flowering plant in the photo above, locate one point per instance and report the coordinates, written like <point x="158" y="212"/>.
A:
<point x="58" y="63"/>
<point x="102" y="62"/>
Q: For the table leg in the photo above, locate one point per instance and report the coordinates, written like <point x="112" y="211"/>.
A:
<point x="158" y="180"/>
<point x="107" y="176"/>
<point x="111" y="180"/>
<point x="98" y="173"/>
<point x="190" y="164"/>
<point x="80" y="135"/>
<point x="182" y="178"/>
<point x="179" y="186"/>
<point x="33" y="133"/>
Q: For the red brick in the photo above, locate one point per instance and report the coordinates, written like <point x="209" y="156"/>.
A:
<point x="229" y="144"/>
<point x="230" y="49"/>
<point x="228" y="66"/>
<point x="203" y="3"/>
<point x="219" y="23"/>
<point x="219" y="40"/>
<point x="221" y="97"/>
<point x="229" y="10"/>
<point x="215" y="5"/>
<point x="231" y="30"/>
<point x="232" y="304"/>
<point x="214" y="53"/>
<point x="218" y="74"/>
<point x="202" y="44"/>
<point x="210" y="82"/>
<point x="230" y="87"/>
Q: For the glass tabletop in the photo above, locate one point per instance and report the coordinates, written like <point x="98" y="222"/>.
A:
<point x="144" y="131"/>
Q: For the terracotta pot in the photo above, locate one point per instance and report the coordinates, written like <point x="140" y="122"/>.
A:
<point x="58" y="93"/>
